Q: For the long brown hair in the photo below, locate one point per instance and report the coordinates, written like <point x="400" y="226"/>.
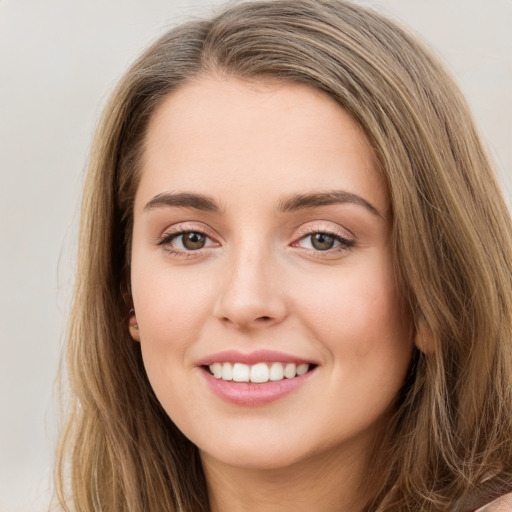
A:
<point x="450" y="442"/>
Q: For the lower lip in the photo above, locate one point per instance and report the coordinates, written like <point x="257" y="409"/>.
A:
<point x="250" y="394"/>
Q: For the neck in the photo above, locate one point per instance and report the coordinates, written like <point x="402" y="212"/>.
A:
<point x="337" y="484"/>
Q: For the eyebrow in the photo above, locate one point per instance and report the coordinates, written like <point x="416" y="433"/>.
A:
<point x="184" y="200"/>
<point x="316" y="199"/>
<point x="289" y="204"/>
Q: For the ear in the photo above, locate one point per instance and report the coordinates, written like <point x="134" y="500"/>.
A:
<point x="424" y="339"/>
<point x="133" y="326"/>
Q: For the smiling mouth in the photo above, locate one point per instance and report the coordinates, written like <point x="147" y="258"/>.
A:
<point x="258" y="373"/>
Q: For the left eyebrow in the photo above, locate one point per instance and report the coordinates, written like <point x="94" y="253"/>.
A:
<point x="315" y="199"/>
<point x="184" y="200"/>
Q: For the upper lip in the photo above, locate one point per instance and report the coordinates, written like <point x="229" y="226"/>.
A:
<point x="257" y="356"/>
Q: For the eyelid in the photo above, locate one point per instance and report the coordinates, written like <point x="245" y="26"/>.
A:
<point x="184" y="227"/>
<point x="323" y="227"/>
<point x="343" y="235"/>
<point x="345" y="241"/>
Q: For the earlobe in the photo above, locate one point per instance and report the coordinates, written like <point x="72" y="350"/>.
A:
<point x="424" y="339"/>
<point x="133" y="326"/>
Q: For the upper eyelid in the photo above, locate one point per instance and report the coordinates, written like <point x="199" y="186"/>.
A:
<point x="185" y="227"/>
<point x="171" y="236"/>
<point x="331" y="230"/>
<point x="166" y="239"/>
<point x="307" y="229"/>
<point x="343" y="240"/>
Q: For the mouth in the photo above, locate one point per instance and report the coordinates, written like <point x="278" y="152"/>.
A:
<point x="258" y="373"/>
<point x="259" y="377"/>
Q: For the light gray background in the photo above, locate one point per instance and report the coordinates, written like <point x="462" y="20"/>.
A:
<point x="58" y="61"/>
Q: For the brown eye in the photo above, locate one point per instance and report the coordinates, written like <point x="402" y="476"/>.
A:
<point x="192" y="240"/>
<point x="186" y="242"/>
<point x="322" y="241"/>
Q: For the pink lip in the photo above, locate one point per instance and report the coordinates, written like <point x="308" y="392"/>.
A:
<point x="247" y="393"/>
<point x="258" y="356"/>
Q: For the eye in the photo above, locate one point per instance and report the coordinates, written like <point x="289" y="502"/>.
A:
<point x="192" y="240"/>
<point x="321" y="241"/>
<point x="185" y="241"/>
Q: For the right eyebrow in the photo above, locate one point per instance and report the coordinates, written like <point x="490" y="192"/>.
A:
<point x="184" y="200"/>
<point x="316" y="199"/>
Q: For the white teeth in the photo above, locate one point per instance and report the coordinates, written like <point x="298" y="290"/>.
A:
<point x="227" y="371"/>
<point x="241" y="372"/>
<point x="290" y="370"/>
<point x="216" y="369"/>
<point x="260" y="373"/>
<point x="302" y="369"/>
<point x="276" y="371"/>
<point x="257" y="373"/>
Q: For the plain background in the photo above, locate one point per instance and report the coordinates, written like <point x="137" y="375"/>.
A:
<point x="58" y="61"/>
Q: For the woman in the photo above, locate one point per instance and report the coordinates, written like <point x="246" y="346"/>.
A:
<point x="294" y="278"/>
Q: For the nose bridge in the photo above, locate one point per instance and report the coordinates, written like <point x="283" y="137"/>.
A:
<point x="250" y="293"/>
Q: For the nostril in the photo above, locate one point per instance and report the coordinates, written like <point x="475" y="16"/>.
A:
<point x="245" y="320"/>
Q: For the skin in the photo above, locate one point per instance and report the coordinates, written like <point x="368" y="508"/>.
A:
<point x="259" y="283"/>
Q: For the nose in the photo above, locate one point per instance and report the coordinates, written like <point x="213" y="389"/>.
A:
<point x="252" y="294"/>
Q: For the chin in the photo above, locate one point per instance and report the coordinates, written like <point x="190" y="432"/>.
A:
<point x="255" y="457"/>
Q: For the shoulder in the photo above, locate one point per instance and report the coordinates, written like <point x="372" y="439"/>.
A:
<point x="502" y="504"/>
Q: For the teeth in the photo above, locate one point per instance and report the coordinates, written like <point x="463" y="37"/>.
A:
<point x="260" y="373"/>
<point x="276" y="371"/>
<point x="302" y="369"/>
<point x="216" y="369"/>
<point x="257" y="373"/>
<point x="240" y="372"/>
<point x="290" y="370"/>
<point x="227" y="371"/>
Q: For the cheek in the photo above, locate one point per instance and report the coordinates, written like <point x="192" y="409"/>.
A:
<point x="169" y="300"/>
<point x="172" y="307"/>
<point x="361" y="322"/>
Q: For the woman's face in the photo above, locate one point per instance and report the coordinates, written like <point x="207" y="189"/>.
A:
<point x="261" y="250"/>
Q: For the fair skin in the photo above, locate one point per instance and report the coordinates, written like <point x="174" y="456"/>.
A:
<point x="240" y="254"/>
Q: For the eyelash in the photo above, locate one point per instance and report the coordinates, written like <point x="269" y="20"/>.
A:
<point x="345" y="244"/>
<point x="167" y="238"/>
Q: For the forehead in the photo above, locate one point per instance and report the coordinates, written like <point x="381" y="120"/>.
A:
<point x="217" y="135"/>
